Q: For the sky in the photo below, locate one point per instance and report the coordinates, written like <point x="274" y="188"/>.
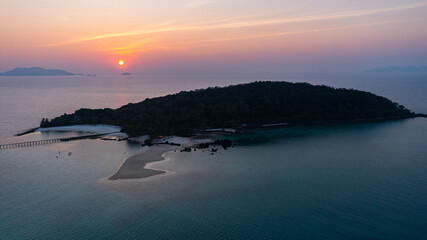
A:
<point x="212" y="36"/>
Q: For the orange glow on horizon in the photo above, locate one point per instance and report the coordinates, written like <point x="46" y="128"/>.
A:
<point x="188" y="34"/>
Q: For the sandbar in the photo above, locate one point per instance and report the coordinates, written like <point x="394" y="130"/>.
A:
<point x="133" y="167"/>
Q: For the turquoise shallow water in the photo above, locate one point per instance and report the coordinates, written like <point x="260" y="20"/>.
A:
<point x="359" y="181"/>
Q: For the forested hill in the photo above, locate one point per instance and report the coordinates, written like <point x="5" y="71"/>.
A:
<point x="234" y="106"/>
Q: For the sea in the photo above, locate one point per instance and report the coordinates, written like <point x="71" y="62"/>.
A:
<point x="355" y="181"/>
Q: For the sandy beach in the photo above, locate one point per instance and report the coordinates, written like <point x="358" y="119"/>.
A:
<point x="133" y="167"/>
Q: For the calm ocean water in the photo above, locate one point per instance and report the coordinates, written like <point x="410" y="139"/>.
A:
<point x="24" y="101"/>
<point x="354" y="181"/>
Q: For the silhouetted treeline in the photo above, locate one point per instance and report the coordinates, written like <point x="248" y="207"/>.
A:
<point x="236" y="106"/>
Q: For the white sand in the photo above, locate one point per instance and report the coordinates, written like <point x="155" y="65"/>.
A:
<point x="133" y="167"/>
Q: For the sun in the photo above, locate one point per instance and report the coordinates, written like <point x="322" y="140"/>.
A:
<point x="121" y="62"/>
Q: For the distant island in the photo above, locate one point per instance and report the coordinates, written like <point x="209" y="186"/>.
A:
<point x="36" y="71"/>
<point x="399" y="69"/>
<point x="126" y="74"/>
<point x="89" y="75"/>
<point x="238" y="106"/>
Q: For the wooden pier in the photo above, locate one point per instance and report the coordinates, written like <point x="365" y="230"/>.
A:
<point x="50" y="141"/>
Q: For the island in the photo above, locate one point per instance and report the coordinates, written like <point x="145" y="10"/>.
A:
<point x="125" y="74"/>
<point x="251" y="105"/>
<point x="36" y="71"/>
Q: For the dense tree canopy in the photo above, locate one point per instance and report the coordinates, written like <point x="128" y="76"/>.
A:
<point x="234" y="106"/>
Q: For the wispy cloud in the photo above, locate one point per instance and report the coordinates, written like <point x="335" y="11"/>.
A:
<point x="130" y="47"/>
<point x="182" y="45"/>
<point x="230" y="23"/>
<point x="330" y="16"/>
<point x="277" y="34"/>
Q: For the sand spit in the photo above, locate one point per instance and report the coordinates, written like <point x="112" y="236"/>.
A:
<point x="133" y="167"/>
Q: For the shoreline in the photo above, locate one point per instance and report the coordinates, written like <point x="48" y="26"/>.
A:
<point x="344" y="121"/>
<point x="92" y="128"/>
<point x="88" y="128"/>
<point x="320" y="123"/>
<point x="134" y="167"/>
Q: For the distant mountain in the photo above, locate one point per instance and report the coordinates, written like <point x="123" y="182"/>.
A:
<point x="399" y="69"/>
<point x="35" y="71"/>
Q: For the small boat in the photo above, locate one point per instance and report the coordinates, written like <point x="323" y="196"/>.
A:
<point x="69" y="154"/>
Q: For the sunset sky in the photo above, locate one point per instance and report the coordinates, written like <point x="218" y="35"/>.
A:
<point x="204" y="36"/>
